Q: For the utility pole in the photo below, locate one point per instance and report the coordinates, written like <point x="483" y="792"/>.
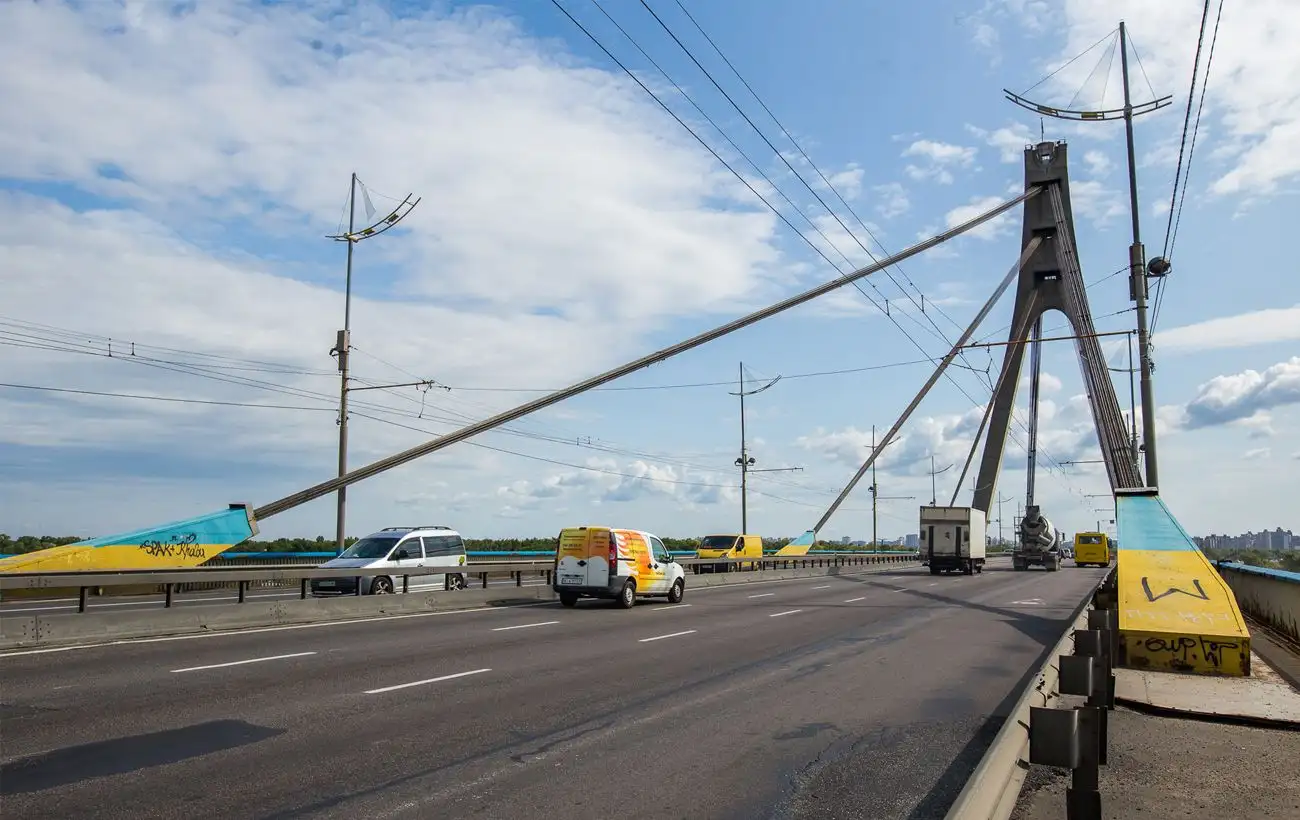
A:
<point x="343" y="343"/>
<point x="874" y="489"/>
<point x="745" y="462"/>
<point x="1001" y="541"/>
<point x="933" y="486"/>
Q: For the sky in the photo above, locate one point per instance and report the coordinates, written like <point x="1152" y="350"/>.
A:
<point x="170" y="173"/>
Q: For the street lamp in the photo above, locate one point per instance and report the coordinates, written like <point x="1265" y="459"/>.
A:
<point x="343" y="344"/>
<point x="745" y="462"/>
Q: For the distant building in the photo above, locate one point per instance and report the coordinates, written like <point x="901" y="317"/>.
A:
<point x="913" y="540"/>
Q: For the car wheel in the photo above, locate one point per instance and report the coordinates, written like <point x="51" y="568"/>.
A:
<point x="677" y="592"/>
<point x="627" y="598"/>
<point x="382" y="585"/>
<point x="568" y="599"/>
<point x="456" y="581"/>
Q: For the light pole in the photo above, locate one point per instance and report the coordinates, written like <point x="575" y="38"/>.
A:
<point x="343" y="344"/>
<point x="745" y="462"/>
<point x="1139" y="270"/>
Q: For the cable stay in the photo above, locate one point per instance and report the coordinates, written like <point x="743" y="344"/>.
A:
<point x="353" y="476"/>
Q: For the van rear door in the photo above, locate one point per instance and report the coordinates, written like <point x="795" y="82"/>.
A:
<point x="582" y="557"/>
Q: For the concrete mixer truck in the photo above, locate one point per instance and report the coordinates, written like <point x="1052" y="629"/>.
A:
<point x="1039" y="542"/>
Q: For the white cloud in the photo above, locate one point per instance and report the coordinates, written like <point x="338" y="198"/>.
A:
<point x="1093" y="200"/>
<point x="1253" y="97"/>
<point x="941" y="158"/>
<point x="1098" y="162"/>
<point x="998" y="226"/>
<point x="985" y="36"/>
<point x="564" y="218"/>
<point x="1258" y="327"/>
<point x="1047" y="383"/>
<point x="1225" y="399"/>
<point x="1010" y="141"/>
<point x="1256" y="454"/>
<point x="848" y="182"/>
<point x="893" y="200"/>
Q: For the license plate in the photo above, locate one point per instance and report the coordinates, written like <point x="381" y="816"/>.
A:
<point x="327" y="583"/>
<point x="571" y="579"/>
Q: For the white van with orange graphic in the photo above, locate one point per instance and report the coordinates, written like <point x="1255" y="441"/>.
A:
<point x="602" y="562"/>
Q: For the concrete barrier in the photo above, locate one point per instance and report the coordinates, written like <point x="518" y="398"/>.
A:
<point x="1271" y="596"/>
<point x="39" y="631"/>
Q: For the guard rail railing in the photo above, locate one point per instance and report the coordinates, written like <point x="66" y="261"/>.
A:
<point x="170" y="581"/>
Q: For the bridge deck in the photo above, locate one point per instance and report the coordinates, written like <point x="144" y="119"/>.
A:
<point x="1175" y="612"/>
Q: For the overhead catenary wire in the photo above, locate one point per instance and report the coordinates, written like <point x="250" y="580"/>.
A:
<point x="696" y="136"/>
<point x="1171" y="230"/>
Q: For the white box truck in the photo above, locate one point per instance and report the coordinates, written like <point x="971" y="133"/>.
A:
<point x="953" y="538"/>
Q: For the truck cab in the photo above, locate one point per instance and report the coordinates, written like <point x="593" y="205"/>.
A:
<point x="730" y="547"/>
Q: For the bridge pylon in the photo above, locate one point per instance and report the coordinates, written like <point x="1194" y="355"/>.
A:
<point x="1052" y="280"/>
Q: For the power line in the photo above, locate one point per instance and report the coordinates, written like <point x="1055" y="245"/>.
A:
<point x="1171" y="240"/>
<point x="175" y="399"/>
<point x="952" y="379"/>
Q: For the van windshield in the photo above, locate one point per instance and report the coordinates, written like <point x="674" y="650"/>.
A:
<point x="717" y="542"/>
<point x="370" y="548"/>
<point x="1089" y="539"/>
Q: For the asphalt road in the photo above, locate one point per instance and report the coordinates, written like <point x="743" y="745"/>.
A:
<point x="852" y="696"/>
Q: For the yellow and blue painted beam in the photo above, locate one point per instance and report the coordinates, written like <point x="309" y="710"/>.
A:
<point x="187" y="543"/>
<point x="800" y="545"/>
<point x="1175" y="611"/>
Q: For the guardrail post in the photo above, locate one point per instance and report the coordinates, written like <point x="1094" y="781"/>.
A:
<point x="81" y="599"/>
<point x="1092" y="644"/>
<point x="302" y="591"/>
<point x="519" y="579"/>
<point x="1067" y="739"/>
<point x="168" y="588"/>
<point x="406" y="584"/>
<point x="483" y="576"/>
<point x="243" y="588"/>
<point x="1106" y="622"/>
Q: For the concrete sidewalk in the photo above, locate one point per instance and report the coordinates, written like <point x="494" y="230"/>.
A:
<point x="1183" y="767"/>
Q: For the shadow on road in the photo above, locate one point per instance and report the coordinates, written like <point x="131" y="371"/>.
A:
<point x="75" y="764"/>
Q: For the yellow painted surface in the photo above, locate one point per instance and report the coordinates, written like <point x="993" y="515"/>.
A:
<point x="794" y="549"/>
<point x="1177" y="614"/>
<point x="80" y="558"/>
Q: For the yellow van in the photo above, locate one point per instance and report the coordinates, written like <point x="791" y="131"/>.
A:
<point x="728" y="546"/>
<point x="623" y="565"/>
<point x="1091" y="549"/>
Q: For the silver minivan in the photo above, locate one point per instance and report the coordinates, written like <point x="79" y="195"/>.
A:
<point x="387" y="555"/>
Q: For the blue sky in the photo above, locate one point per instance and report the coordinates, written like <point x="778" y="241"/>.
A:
<point x="167" y="178"/>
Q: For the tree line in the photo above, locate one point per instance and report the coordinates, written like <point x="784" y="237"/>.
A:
<point x="31" y="543"/>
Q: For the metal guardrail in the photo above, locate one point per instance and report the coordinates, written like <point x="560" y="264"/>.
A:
<point x="171" y="580"/>
<point x="1038" y="732"/>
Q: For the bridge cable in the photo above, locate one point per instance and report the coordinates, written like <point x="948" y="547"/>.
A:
<point x="680" y="121"/>
<point x="1029" y="249"/>
<point x="663" y="354"/>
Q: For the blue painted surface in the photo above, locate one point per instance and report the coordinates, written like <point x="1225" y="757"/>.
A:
<point x="224" y="527"/>
<point x="1275" y="574"/>
<point x="806" y="539"/>
<point x="1145" y="523"/>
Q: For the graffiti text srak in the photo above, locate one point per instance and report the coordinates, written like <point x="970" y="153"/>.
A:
<point x="178" y="546"/>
